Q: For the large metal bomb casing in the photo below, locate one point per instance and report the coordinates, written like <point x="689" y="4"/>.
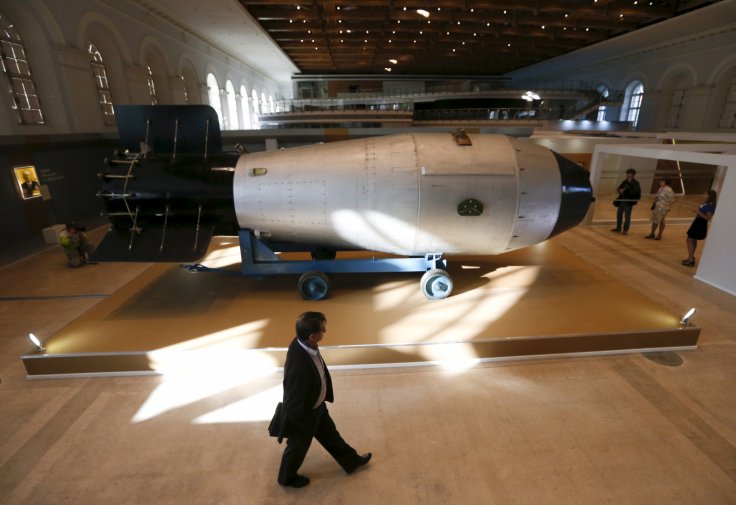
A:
<point x="403" y="194"/>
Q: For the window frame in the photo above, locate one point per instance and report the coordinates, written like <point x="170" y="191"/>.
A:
<point x="102" y="83"/>
<point x="22" y="88"/>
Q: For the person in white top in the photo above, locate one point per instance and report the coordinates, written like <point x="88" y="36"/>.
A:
<point x="661" y="206"/>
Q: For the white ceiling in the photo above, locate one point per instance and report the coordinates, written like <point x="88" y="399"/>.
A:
<point x="229" y="27"/>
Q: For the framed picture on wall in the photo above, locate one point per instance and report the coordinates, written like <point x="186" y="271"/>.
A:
<point x="28" y="182"/>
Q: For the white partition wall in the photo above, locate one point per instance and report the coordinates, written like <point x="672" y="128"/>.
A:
<point x="717" y="262"/>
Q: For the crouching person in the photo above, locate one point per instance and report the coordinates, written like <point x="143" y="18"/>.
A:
<point x="75" y="244"/>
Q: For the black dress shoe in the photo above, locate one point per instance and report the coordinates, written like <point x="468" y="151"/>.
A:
<point x="298" y="481"/>
<point x="362" y="461"/>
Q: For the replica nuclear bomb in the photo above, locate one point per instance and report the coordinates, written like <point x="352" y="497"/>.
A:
<point x="420" y="195"/>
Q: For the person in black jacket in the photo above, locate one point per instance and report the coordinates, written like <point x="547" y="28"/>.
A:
<point x="629" y="193"/>
<point x="307" y="386"/>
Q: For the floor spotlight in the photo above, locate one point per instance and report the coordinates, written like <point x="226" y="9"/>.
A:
<point x="686" y="318"/>
<point x="36" y="342"/>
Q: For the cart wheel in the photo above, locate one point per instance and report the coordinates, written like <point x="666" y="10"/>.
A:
<point x="436" y="284"/>
<point x="314" y="285"/>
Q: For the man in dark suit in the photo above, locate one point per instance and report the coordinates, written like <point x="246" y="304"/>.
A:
<point x="307" y="386"/>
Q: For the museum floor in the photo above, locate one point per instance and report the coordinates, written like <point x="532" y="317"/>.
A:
<point x="628" y="429"/>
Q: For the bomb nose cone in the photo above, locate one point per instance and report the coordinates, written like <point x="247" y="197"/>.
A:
<point x="577" y="194"/>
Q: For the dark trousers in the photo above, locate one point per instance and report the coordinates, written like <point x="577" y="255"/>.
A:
<point x="325" y="431"/>
<point x="624" y="213"/>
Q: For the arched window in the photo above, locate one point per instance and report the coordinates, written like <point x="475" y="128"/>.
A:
<point x="272" y="108"/>
<point x="151" y="86"/>
<point x="256" y="110"/>
<point x="244" y="106"/>
<point x="264" y="104"/>
<point x="678" y="100"/>
<point x="633" y="101"/>
<point x="728" y="116"/>
<point x="23" y="94"/>
<point x="603" y="92"/>
<point x="232" y="107"/>
<point x="104" y="96"/>
<point x="184" y="89"/>
<point x="213" y="95"/>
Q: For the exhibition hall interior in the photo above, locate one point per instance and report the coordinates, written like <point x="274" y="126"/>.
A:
<point x="447" y="181"/>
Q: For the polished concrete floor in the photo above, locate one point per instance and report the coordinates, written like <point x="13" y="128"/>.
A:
<point x="625" y="429"/>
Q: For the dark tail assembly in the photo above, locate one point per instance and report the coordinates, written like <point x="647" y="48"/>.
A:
<point x="168" y="190"/>
<point x="577" y="194"/>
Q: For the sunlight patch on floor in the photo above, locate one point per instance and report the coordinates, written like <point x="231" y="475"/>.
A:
<point x="257" y="407"/>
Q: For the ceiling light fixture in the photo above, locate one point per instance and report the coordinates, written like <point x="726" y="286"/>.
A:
<point x="530" y="96"/>
<point x="423" y="12"/>
<point x="387" y="69"/>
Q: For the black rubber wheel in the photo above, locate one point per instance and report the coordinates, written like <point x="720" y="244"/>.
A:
<point x="314" y="285"/>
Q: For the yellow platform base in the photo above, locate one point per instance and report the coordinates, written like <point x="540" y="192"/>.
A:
<point x="540" y="301"/>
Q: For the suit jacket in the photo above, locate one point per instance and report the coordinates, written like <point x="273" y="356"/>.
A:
<point x="302" y="386"/>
